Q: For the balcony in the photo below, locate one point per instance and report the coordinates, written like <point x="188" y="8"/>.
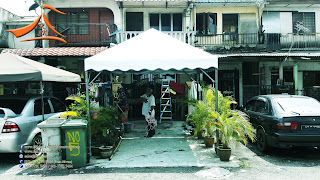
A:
<point x="255" y="42"/>
<point x="86" y="34"/>
<point x="184" y="36"/>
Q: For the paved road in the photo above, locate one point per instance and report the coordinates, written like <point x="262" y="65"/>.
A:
<point x="296" y="163"/>
<point x="7" y="161"/>
<point x="291" y="164"/>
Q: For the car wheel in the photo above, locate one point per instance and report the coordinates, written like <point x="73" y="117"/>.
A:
<point x="37" y="143"/>
<point x="262" y="141"/>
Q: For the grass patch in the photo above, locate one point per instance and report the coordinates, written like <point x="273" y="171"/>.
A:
<point x="37" y="162"/>
<point x="244" y="165"/>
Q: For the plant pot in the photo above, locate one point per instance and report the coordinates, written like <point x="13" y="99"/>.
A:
<point x="199" y="134"/>
<point x="216" y="148"/>
<point x="95" y="151"/>
<point x="224" y="154"/>
<point x="94" y="115"/>
<point x="106" y="152"/>
<point x="209" y="141"/>
<point x="127" y="127"/>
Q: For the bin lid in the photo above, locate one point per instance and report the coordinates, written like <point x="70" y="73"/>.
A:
<point x="75" y="123"/>
<point x="51" y="123"/>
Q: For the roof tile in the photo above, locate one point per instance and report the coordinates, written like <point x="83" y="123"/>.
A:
<point x="56" y="51"/>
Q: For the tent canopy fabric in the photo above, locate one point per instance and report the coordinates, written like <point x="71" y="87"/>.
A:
<point x="152" y="52"/>
<point x="15" y="68"/>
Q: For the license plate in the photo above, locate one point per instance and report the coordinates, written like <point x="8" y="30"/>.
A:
<point x="310" y="127"/>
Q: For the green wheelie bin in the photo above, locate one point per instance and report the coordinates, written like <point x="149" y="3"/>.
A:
<point x="76" y="142"/>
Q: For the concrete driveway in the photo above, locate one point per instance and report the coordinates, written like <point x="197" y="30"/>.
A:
<point x="170" y="147"/>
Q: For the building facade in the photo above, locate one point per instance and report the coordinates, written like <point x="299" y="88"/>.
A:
<point x="265" y="46"/>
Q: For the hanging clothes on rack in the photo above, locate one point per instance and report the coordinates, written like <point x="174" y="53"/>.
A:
<point x="193" y="94"/>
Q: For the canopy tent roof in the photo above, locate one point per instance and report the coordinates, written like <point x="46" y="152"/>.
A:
<point x="15" y="68"/>
<point x="152" y="52"/>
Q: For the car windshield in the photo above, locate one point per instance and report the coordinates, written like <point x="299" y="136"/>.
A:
<point x="16" y="105"/>
<point x="297" y="106"/>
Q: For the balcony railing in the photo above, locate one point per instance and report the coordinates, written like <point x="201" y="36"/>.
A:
<point x="184" y="36"/>
<point x="86" y="34"/>
<point x="269" y="41"/>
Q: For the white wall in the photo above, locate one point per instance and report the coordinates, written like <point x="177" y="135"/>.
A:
<point x="14" y="42"/>
<point x="4" y="17"/>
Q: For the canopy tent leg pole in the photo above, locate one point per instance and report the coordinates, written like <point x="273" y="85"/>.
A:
<point x="217" y="104"/>
<point x="88" y="111"/>
<point x="198" y="84"/>
<point x="42" y="102"/>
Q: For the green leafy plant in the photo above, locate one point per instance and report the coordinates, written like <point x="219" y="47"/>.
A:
<point x="103" y="129"/>
<point x="198" y="116"/>
<point x="233" y="125"/>
<point x="201" y="118"/>
<point x="80" y="106"/>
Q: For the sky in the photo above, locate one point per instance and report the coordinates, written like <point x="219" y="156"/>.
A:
<point x="18" y="7"/>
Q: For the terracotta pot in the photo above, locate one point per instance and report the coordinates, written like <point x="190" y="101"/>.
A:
<point x="209" y="141"/>
<point x="216" y="148"/>
<point x="224" y="154"/>
<point x="94" y="115"/>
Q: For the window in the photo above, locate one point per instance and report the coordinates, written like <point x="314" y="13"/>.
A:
<point x="206" y="23"/>
<point x="154" y="21"/>
<point x="58" y="106"/>
<point x="134" y="21"/>
<point x="262" y="107"/>
<point x="303" y="22"/>
<point x="250" y="106"/>
<point x="83" y="20"/>
<point x="77" y="22"/>
<point x="166" y="22"/>
<point x="38" y="107"/>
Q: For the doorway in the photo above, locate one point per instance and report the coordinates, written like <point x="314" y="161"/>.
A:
<point x="230" y="27"/>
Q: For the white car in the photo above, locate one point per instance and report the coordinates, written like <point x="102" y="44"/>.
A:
<point x="19" y="117"/>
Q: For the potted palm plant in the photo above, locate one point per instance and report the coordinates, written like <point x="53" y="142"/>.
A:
<point x="210" y="132"/>
<point x="233" y="125"/>
<point x="198" y="118"/>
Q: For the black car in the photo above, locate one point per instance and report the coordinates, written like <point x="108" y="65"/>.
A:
<point x="284" y="120"/>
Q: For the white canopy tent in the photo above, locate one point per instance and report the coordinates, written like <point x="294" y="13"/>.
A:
<point x="15" y="68"/>
<point x="152" y="52"/>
